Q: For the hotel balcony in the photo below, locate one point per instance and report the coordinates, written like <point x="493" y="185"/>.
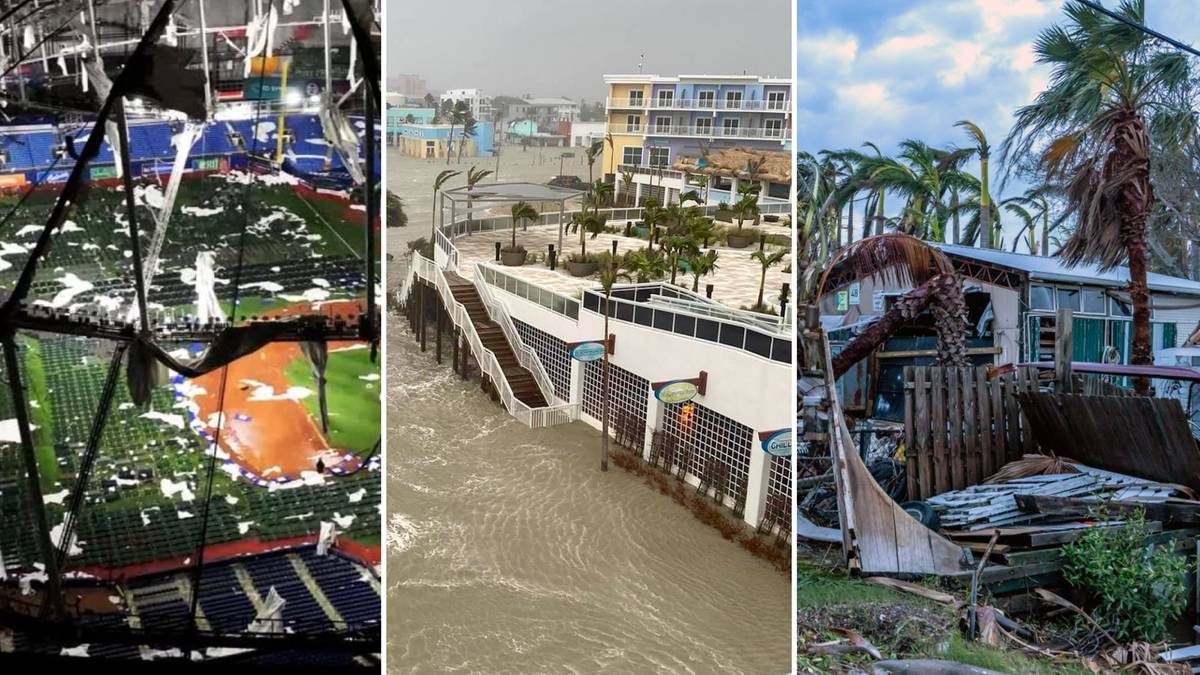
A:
<point x="672" y="103"/>
<point x="711" y="131"/>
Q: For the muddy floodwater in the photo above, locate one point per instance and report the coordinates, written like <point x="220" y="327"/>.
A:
<point x="510" y="552"/>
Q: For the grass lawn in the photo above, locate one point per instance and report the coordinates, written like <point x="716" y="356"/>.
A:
<point x="40" y="416"/>
<point x="900" y="625"/>
<point x="354" y="408"/>
<point x="324" y="218"/>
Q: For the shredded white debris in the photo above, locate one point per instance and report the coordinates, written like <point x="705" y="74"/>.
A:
<point x="269" y="286"/>
<point x="167" y="418"/>
<point x="80" y="651"/>
<point x="357" y="495"/>
<point x="10" y="432"/>
<point x="311" y="295"/>
<point x="169" y="488"/>
<point x="56" y="536"/>
<point x="56" y="497"/>
<point x="201" y="212"/>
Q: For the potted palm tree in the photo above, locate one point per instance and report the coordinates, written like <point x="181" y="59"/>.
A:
<point x="581" y="264"/>
<point x="745" y="209"/>
<point x="514" y="255"/>
<point x="767" y="260"/>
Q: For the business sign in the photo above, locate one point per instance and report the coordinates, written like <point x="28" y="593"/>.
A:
<point x="588" y="351"/>
<point x="103" y="172"/>
<point x="777" y="443"/>
<point x="12" y="180"/>
<point x="206" y="163"/>
<point x="843" y="301"/>
<point x="57" y="177"/>
<point x="855" y="293"/>
<point x="677" y="391"/>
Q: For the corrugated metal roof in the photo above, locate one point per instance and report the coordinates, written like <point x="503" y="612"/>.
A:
<point x="1053" y="269"/>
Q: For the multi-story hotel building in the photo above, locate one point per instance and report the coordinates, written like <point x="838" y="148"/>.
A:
<point x="656" y="121"/>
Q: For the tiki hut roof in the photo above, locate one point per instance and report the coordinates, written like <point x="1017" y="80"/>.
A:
<point x="731" y="162"/>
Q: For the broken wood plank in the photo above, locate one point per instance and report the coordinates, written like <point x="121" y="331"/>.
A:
<point x="1165" y="513"/>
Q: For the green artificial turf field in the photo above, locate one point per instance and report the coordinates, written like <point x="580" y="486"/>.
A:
<point x="354" y="407"/>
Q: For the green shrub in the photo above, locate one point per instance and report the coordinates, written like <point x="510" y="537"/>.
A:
<point x="1130" y="587"/>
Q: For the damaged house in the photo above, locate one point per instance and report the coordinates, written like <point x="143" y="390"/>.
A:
<point x="1011" y="301"/>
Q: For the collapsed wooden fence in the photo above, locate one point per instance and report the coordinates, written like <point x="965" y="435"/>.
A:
<point x="960" y="426"/>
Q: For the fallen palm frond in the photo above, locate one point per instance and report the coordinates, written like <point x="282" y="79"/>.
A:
<point x="852" y="643"/>
<point x="894" y="257"/>
<point x="1033" y="465"/>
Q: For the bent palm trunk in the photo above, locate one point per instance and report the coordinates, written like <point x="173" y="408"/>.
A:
<point x="943" y="294"/>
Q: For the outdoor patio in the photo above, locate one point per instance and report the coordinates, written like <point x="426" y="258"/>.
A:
<point x="735" y="281"/>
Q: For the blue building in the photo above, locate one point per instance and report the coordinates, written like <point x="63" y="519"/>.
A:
<point x="430" y="141"/>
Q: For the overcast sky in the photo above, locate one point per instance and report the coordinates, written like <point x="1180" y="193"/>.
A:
<point x="565" y="48"/>
<point x="886" y="70"/>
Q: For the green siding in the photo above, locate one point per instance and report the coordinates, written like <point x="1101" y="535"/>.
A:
<point x="1088" y="338"/>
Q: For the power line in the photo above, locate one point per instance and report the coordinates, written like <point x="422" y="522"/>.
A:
<point x="1133" y="24"/>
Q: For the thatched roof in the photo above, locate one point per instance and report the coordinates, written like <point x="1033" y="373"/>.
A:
<point x="731" y="162"/>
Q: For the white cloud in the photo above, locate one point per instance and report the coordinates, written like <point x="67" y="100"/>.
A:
<point x="866" y="95"/>
<point x="902" y="44"/>
<point x="998" y="13"/>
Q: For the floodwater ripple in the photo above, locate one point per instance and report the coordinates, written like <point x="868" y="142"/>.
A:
<point x="510" y="552"/>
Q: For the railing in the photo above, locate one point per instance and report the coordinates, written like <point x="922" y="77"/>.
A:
<point x="700" y="104"/>
<point x="525" y="356"/>
<point x="710" y="131"/>
<point x="714" y="310"/>
<point x="767" y="344"/>
<point x="449" y="253"/>
<point x="551" y="300"/>
<point x="488" y="363"/>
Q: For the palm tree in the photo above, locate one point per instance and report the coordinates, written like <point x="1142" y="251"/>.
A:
<point x="594" y="150"/>
<point x="468" y="131"/>
<point x="599" y="196"/>
<point x="627" y="186"/>
<point x="611" y="153"/>
<point x="746" y="206"/>
<point x="521" y="211"/>
<point x="497" y="134"/>
<point x="699" y="265"/>
<point x="438" y="182"/>
<point x="938" y="287"/>
<point x="588" y="223"/>
<point x="689" y="196"/>
<point x="676" y="247"/>
<point x="1031" y="208"/>
<point x="473" y="177"/>
<point x="457" y="115"/>
<point x="1112" y="92"/>
<point x="767" y="260"/>
<point x="985" y="200"/>
<point x="647" y="264"/>
<point x="608" y="277"/>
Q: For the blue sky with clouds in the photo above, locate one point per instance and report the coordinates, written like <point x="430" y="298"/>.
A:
<point x="883" y="71"/>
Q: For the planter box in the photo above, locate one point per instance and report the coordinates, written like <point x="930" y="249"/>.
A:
<point x="739" y="240"/>
<point x="513" y="258"/>
<point x="582" y="269"/>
